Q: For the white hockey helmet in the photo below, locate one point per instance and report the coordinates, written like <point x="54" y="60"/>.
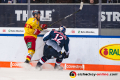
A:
<point x="62" y="29"/>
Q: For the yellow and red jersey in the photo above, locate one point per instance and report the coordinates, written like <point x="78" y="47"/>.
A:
<point x="30" y="27"/>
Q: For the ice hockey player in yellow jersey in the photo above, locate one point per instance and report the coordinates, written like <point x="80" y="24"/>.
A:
<point x="32" y="29"/>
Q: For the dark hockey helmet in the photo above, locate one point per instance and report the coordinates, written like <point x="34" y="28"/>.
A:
<point x="62" y="29"/>
<point x="35" y="12"/>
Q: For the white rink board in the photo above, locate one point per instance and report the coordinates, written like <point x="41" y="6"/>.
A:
<point x="69" y="31"/>
<point x="82" y="50"/>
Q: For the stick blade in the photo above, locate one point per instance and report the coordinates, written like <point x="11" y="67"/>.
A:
<point x="81" y="6"/>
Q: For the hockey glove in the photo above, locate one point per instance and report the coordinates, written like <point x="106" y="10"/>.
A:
<point x="43" y="26"/>
<point x="65" y="55"/>
<point x="37" y="31"/>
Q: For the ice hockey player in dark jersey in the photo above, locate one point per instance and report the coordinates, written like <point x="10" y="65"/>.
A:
<point x="54" y="41"/>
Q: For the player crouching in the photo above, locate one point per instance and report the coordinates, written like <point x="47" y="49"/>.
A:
<point x="54" y="41"/>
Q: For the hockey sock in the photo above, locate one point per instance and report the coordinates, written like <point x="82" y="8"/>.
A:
<point x="58" y="61"/>
<point x="30" y="54"/>
<point x="42" y="61"/>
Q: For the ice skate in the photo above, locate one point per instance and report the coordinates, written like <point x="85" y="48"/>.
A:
<point x="27" y="61"/>
<point x="39" y="66"/>
<point x="58" y="67"/>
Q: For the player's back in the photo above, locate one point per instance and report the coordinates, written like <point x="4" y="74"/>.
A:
<point x="56" y="39"/>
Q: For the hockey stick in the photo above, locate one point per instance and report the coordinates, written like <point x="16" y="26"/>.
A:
<point x="81" y="6"/>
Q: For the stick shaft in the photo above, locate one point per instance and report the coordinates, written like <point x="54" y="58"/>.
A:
<point x="65" y="17"/>
<point x="68" y="15"/>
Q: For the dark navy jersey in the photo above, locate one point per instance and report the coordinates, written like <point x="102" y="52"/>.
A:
<point x="59" y="38"/>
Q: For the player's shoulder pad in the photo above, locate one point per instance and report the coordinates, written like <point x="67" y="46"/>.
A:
<point x="52" y="31"/>
<point x="32" y="20"/>
<point x="47" y="34"/>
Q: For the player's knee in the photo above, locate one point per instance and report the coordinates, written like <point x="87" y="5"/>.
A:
<point x="61" y="56"/>
<point x="48" y="57"/>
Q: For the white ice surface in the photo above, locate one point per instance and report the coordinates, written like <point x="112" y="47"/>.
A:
<point x="23" y="74"/>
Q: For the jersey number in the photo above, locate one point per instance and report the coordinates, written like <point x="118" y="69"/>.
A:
<point x="58" y="40"/>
